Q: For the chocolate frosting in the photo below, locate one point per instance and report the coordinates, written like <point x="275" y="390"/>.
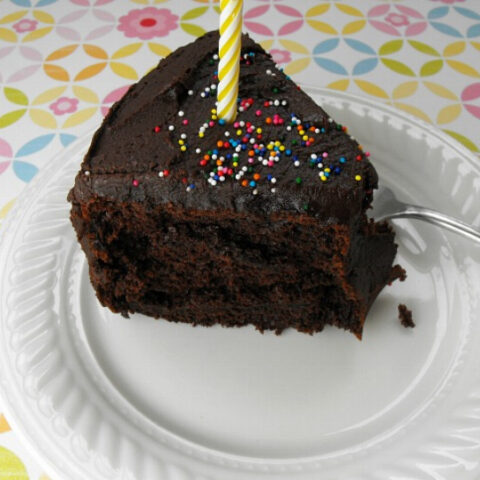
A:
<point x="136" y="154"/>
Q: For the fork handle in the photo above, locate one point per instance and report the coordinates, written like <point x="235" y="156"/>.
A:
<point x="440" y="219"/>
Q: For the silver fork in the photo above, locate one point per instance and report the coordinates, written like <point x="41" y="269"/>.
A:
<point x="387" y="206"/>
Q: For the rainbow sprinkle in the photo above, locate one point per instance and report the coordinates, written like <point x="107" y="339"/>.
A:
<point x="241" y="152"/>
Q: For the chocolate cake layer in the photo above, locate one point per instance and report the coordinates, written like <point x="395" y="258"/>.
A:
<point x="261" y="222"/>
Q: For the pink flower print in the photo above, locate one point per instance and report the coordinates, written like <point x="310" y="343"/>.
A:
<point x="64" y="105"/>
<point x="449" y="2"/>
<point x="397" y="19"/>
<point x="147" y="23"/>
<point x="280" y="56"/>
<point x="25" y="25"/>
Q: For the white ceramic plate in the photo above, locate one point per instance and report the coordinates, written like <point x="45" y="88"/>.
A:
<point x="98" y="396"/>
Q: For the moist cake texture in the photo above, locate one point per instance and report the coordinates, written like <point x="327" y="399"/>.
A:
<point x="260" y="222"/>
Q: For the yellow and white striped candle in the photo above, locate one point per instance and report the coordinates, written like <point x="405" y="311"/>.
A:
<point x="229" y="54"/>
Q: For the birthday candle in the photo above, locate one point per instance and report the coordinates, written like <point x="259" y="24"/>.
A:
<point x="229" y="53"/>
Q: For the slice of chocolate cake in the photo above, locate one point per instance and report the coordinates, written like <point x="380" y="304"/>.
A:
<point x="260" y="222"/>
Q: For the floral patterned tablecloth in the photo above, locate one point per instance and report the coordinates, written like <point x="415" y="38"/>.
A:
<point x="63" y="63"/>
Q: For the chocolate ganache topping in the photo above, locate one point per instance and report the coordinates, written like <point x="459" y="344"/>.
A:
<point x="163" y="142"/>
